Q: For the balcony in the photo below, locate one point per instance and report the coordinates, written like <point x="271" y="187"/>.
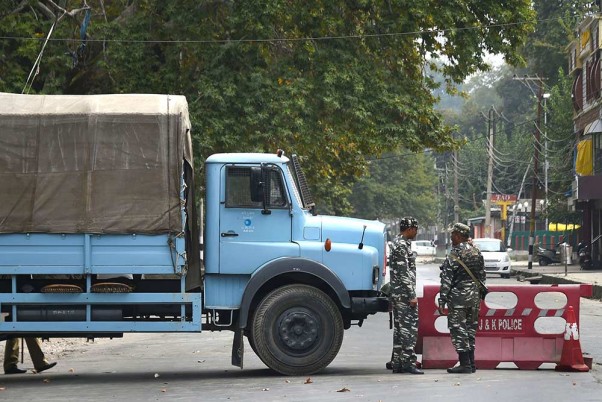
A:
<point x="585" y="188"/>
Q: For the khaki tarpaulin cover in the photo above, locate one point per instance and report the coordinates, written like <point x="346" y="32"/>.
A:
<point x="92" y="163"/>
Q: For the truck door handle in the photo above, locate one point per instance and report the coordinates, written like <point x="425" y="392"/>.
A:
<point x="229" y="233"/>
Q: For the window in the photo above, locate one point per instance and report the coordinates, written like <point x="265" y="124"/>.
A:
<point x="592" y="79"/>
<point x="240" y="184"/>
<point x="277" y="195"/>
<point x="597" y="153"/>
<point x="577" y="91"/>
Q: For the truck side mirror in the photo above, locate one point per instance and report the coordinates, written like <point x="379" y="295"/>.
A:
<point x="257" y="185"/>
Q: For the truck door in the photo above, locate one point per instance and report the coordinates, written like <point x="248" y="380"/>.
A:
<point x="255" y="218"/>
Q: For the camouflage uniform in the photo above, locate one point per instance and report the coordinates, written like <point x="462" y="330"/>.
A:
<point x="462" y="296"/>
<point x="403" y="289"/>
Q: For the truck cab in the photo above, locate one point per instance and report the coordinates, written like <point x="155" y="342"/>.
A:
<point x="265" y="247"/>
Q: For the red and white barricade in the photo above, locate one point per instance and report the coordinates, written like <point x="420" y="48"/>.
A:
<point x="504" y="334"/>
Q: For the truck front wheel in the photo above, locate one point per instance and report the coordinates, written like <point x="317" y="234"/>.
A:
<point x="297" y="330"/>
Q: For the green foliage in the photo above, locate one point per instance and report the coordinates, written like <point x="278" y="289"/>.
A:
<point x="561" y="142"/>
<point x="497" y="96"/>
<point x="516" y="112"/>
<point x="398" y="184"/>
<point x="546" y="46"/>
<point x="332" y="81"/>
<point x="547" y="56"/>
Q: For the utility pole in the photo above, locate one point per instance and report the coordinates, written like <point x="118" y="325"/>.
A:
<point x="535" y="162"/>
<point x="535" y="170"/>
<point x="491" y="123"/>
<point x="545" y="156"/>
<point x="456" y="201"/>
<point x="446" y="217"/>
<point x="520" y="191"/>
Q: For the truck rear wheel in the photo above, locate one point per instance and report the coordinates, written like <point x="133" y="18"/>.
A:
<point x="297" y="330"/>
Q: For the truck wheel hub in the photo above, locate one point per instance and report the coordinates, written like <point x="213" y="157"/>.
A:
<point x="298" y="330"/>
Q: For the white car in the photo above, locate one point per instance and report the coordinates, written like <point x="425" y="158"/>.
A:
<point x="495" y="254"/>
<point x="423" y="247"/>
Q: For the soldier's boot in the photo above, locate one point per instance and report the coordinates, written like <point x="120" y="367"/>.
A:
<point x="464" y="367"/>
<point x="389" y="364"/>
<point x="409" y="369"/>
<point x="473" y="366"/>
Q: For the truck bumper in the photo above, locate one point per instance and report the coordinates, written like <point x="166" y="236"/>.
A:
<point x="369" y="305"/>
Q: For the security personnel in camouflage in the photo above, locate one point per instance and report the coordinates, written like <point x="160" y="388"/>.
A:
<point x="403" y="297"/>
<point x="462" y="295"/>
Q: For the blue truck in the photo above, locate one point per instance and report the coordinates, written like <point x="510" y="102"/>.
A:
<point x="101" y="234"/>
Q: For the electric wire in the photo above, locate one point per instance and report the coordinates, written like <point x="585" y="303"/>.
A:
<point x="434" y="31"/>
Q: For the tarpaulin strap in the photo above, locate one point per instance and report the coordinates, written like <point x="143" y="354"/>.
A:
<point x="175" y="256"/>
<point x="84" y="27"/>
<point x="83" y="35"/>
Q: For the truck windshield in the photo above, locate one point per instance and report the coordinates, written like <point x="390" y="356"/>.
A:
<point x="301" y="188"/>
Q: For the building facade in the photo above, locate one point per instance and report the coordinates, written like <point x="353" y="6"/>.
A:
<point x="585" y="67"/>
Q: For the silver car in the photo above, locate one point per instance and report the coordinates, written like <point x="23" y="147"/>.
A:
<point x="495" y="254"/>
<point x="423" y="247"/>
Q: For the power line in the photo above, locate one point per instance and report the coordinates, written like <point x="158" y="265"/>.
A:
<point x="303" y="39"/>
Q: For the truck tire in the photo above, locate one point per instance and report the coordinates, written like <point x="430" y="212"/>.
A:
<point x="297" y="330"/>
<point x="252" y="344"/>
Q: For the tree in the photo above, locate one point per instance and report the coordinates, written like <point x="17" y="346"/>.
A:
<point x="547" y="56"/>
<point x="332" y="81"/>
<point x="561" y="142"/>
<point x="515" y="101"/>
<point x="546" y="46"/>
<point x="398" y="184"/>
<point x="513" y="105"/>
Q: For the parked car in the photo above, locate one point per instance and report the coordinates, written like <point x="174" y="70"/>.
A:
<point x="423" y="247"/>
<point x="495" y="254"/>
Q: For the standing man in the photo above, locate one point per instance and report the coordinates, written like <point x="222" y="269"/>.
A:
<point x="462" y="295"/>
<point x="403" y="297"/>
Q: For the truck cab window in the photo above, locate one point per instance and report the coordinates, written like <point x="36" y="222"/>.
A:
<point x="277" y="193"/>
<point x="238" y="189"/>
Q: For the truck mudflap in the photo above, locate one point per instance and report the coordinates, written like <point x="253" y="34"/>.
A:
<point x="369" y="305"/>
<point x="238" y="348"/>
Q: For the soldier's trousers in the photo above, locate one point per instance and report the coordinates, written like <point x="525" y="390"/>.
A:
<point x="405" y="333"/>
<point x="463" y="323"/>
<point x="11" y="353"/>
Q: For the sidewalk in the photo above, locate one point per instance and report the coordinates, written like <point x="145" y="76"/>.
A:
<point x="556" y="274"/>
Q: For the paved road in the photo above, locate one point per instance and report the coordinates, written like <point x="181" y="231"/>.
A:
<point x="145" y="367"/>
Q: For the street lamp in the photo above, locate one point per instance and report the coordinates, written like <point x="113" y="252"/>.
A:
<point x="526" y="208"/>
<point x="542" y="209"/>
<point x="522" y="213"/>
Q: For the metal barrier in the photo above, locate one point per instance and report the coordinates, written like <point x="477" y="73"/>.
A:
<point x="504" y="334"/>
